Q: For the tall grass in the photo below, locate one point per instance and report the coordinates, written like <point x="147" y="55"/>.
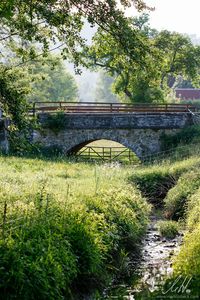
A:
<point x="157" y="179"/>
<point x="64" y="226"/>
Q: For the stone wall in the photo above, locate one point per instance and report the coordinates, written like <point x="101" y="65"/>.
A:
<point x="139" y="132"/>
<point x="124" y="121"/>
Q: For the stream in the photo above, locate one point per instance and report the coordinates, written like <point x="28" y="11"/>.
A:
<point x="153" y="267"/>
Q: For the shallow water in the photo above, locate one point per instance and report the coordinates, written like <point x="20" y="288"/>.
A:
<point x="154" y="265"/>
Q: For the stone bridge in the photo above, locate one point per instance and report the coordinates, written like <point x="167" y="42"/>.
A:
<point x="140" y="132"/>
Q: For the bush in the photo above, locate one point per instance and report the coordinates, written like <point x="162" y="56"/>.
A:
<point x="168" y="229"/>
<point x="176" y="200"/>
<point x="55" y="122"/>
<point x="185" y="136"/>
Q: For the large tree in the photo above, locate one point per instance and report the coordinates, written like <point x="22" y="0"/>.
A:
<point x="47" y="21"/>
<point x="146" y="73"/>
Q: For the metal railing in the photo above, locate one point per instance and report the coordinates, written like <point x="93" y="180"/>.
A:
<point x="90" y="107"/>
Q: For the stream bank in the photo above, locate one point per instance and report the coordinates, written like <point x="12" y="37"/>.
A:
<point x="154" y="265"/>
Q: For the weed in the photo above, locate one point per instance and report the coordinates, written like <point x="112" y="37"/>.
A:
<point x="168" y="229"/>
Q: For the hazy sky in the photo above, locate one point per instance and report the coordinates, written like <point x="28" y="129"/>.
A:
<point x="175" y="15"/>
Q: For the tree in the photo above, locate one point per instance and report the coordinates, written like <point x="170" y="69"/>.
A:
<point x="149" y="67"/>
<point x="47" y="21"/>
<point x="178" y="56"/>
<point x="50" y="81"/>
<point x="14" y="88"/>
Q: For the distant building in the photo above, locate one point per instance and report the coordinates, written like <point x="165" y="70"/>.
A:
<point x="187" y="94"/>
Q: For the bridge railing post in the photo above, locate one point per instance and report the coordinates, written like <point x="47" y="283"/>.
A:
<point x="111" y="107"/>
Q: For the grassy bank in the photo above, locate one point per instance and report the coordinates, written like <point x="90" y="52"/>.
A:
<point x="65" y="227"/>
<point x="176" y="187"/>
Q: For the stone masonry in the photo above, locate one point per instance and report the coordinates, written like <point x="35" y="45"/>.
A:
<point x="141" y="132"/>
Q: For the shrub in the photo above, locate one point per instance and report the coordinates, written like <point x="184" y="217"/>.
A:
<point x="168" y="229"/>
<point x="185" y="136"/>
<point x="55" y="122"/>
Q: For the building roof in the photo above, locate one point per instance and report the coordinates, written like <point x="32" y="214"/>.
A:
<point x="187" y="94"/>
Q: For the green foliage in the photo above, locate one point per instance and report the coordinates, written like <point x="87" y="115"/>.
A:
<point x="185" y="136"/>
<point x="147" y="67"/>
<point x="193" y="210"/>
<point x="14" y="89"/>
<point x="55" y="122"/>
<point x="168" y="229"/>
<point x="61" y="232"/>
<point x="37" y="22"/>
<point x="51" y="81"/>
<point x="32" y="264"/>
<point x="13" y="93"/>
<point x="188" y="260"/>
<point x="155" y="181"/>
<point x="177" y="197"/>
<point x="187" y="263"/>
<point x="20" y="85"/>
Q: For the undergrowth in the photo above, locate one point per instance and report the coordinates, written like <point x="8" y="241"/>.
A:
<point x="66" y="227"/>
<point x="156" y="180"/>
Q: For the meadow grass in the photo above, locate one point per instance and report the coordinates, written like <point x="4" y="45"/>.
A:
<point x="68" y="226"/>
<point x="65" y="226"/>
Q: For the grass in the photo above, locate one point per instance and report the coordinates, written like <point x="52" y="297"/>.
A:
<point x="168" y="229"/>
<point x="68" y="227"/>
<point x="65" y="226"/>
<point x="105" y="143"/>
<point x="187" y="263"/>
<point x="177" y="198"/>
<point x="154" y="181"/>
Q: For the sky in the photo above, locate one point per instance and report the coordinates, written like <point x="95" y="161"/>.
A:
<point x="175" y="15"/>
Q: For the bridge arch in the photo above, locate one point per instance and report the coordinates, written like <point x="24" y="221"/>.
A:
<point x="85" y="141"/>
<point x="133" y="140"/>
